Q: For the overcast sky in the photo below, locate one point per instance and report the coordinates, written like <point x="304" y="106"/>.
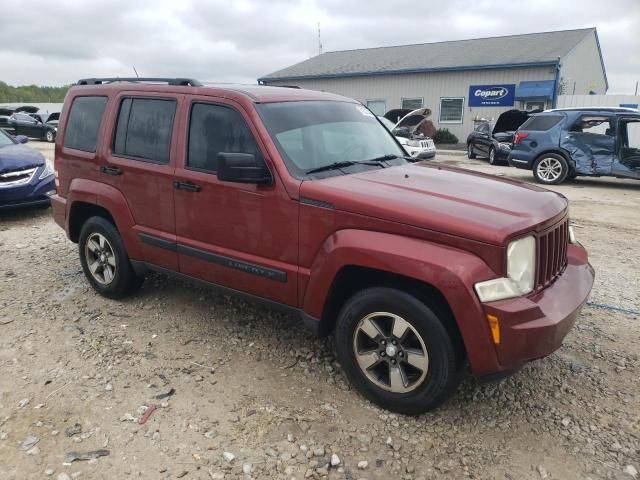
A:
<point x="55" y="43"/>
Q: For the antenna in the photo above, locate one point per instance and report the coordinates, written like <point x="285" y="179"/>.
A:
<point x="319" y="41"/>
<point x="136" y="72"/>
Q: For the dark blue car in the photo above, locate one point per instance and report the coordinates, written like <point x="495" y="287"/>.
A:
<point x="26" y="177"/>
<point x="565" y="143"/>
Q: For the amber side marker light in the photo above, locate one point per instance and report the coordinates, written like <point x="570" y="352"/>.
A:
<point x="494" y="324"/>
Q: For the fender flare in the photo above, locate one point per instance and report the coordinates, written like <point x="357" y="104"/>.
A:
<point x="112" y="200"/>
<point x="452" y="271"/>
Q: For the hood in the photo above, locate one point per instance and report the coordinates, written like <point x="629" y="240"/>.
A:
<point x="412" y="119"/>
<point x="443" y="199"/>
<point x="510" y="120"/>
<point x="17" y="157"/>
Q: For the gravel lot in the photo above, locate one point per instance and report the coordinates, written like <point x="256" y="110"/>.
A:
<point x="249" y="393"/>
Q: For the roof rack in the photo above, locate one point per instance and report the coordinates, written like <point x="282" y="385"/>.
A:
<point x="186" y="82"/>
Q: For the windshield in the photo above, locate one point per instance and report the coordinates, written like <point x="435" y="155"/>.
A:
<point x="311" y="135"/>
<point x="5" y="139"/>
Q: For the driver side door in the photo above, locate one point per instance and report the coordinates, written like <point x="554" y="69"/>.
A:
<point x="242" y="236"/>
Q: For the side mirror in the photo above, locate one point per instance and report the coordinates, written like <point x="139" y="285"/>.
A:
<point x="242" y="168"/>
<point x="21" y="139"/>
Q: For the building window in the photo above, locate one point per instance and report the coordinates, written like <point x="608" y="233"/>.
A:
<point x="378" y="107"/>
<point x="411" y="103"/>
<point x="451" y="109"/>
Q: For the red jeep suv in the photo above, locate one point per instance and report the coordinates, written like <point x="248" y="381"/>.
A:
<point x="303" y="200"/>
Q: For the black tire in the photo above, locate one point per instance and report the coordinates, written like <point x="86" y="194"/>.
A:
<point x="50" y="136"/>
<point x="492" y="156"/>
<point x="124" y="281"/>
<point x="442" y="376"/>
<point x="470" y="152"/>
<point x="544" y="175"/>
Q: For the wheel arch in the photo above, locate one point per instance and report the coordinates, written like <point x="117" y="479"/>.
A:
<point x="351" y="279"/>
<point x="439" y="275"/>
<point x="88" y="198"/>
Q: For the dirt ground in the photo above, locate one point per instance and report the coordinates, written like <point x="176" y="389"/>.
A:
<point x="249" y="393"/>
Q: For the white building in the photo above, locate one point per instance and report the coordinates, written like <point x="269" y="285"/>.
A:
<point x="459" y="80"/>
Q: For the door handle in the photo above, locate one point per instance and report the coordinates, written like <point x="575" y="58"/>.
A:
<point x="190" y="187"/>
<point x="111" y="170"/>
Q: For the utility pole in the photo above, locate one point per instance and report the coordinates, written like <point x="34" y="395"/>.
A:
<point x="636" y="88"/>
<point x="319" y="41"/>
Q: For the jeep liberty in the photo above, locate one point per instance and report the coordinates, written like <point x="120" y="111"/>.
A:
<point x="304" y="201"/>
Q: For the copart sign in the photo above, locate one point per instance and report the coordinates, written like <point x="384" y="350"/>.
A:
<point x="491" y="95"/>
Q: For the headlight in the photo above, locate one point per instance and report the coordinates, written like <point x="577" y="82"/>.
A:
<point x="504" y="146"/>
<point x="413" y="143"/>
<point x="572" y="235"/>
<point x="48" y="169"/>
<point x="521" y="273"/>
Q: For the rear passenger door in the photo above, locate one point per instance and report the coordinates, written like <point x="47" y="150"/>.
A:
<point x="139" y="162"/>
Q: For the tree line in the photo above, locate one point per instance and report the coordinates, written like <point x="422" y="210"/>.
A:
<point x="31" y="94"/>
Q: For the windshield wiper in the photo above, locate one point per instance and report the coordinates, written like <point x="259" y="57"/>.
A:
<point x="342" y="164"/>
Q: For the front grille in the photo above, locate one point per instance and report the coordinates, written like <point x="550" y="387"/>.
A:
<point x="552" y="253"/>
<point x="17" y="177"/>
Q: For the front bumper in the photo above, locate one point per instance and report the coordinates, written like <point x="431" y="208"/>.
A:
<point x="33" y="194"/>
<point x="420" y="153"/>
<point x="534" y="326"/>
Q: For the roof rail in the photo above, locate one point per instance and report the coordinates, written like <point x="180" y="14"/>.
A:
<point x="186" y="82"/>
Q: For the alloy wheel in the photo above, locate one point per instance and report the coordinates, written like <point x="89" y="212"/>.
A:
<point x="101" y="258"/>
<point x="492" y="156"/>
<point x="549" y="169"/>
<point x="390" y="352"/>
<point x="49" y="136"/>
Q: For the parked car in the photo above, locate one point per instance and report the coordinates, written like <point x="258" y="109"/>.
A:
<point x="425" y="151"/>
<point x="562" y="144"/>
<point x="31" y="125"/>
<point x="304" y="201"/>
<point x="494" y="140"/>
<point x="410" y="133"/>
<point x="26" y="177"/>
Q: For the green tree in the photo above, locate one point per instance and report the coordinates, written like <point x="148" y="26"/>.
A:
<point x="32" y="94"/>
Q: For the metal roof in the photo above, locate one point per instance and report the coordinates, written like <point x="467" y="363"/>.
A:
<point x="495" y="52"/>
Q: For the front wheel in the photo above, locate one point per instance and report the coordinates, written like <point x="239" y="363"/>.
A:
<point x="396" y="351"/>
<point x="492" y="156"/>
<point x="550" y="169"/>
<point x="50" y="136"/>
<point x="104" y="259"/>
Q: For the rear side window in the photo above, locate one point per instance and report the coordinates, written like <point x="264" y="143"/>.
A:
<point x="144" y="127"/>
<point x="214" y="129"/>
<point x="84" y="123"/>
<point x="541" y="123"/>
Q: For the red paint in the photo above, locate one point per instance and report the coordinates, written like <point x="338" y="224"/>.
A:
<point x="442" y="226"/>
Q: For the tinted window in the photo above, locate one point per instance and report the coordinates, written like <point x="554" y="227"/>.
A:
<point x="24" y="117"/>
<point x="541" y="123"/>
<point x="411" y="103"/>
<point x="451" y="110"/>
<point x="483" y="128"/>
<point x="144" y="129"/>
<point x="214" y="129"/>
<point x="84" y="123"/>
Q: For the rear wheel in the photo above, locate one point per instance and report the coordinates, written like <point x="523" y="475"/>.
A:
<point x="470" y="152"/>
<point x="396" y="351"/>
<point x="550" y="169"/>
<point x="104" y="259"/>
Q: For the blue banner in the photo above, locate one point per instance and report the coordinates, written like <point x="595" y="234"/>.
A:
<point x="491" y="95"/>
